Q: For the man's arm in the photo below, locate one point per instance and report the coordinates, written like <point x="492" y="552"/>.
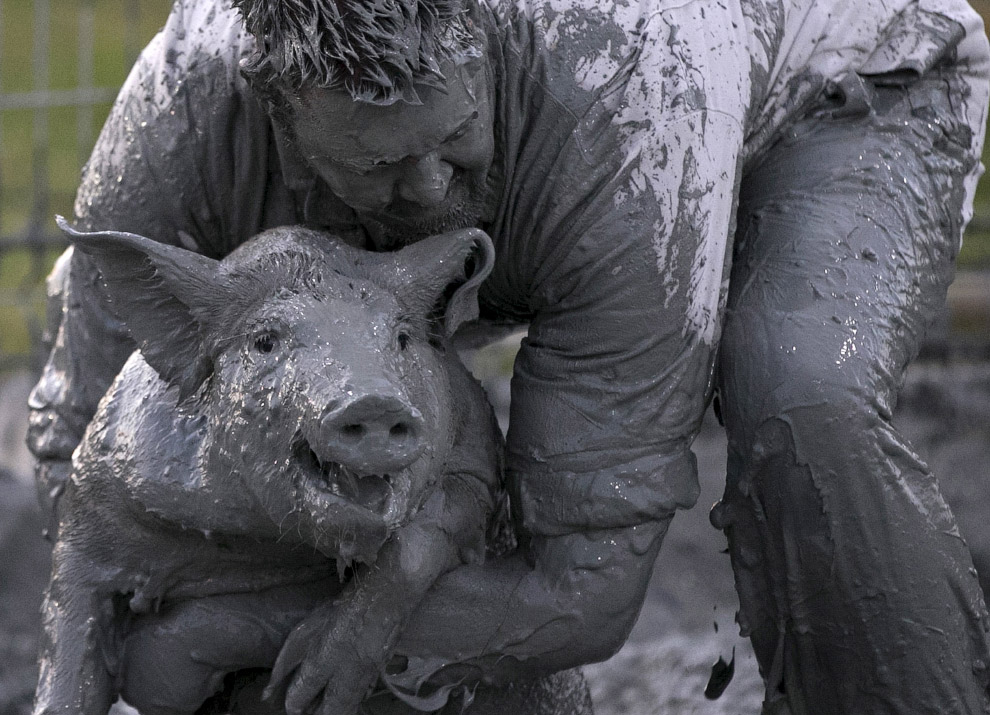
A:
<point x="627" y="285"/>
<point x="563" y="602"/>
<point x="87" y="352"/>
<point x="170" y="164"/>
<point x="609" y="390"/>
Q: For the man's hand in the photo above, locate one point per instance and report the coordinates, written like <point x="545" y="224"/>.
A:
<point x="335" y="655"/>
<point x="331" y="660"/>
<point x="559" y="603"/>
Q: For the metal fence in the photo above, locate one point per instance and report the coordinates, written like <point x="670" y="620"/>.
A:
<point x="61" y="64"/>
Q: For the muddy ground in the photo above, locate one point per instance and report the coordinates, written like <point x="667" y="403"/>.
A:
<point x="687" y="621"/>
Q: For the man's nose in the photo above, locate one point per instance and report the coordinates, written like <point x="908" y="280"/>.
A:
<point x="425" y="180"/>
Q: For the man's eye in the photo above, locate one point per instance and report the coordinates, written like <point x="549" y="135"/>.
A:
<point x="354" y="169"/>
<point x="368" y="169"/>
<point x="357" y="170"/>
<point x="459" y="133"/>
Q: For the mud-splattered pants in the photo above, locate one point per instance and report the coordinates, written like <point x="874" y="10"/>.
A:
<point x="855" y="585"/>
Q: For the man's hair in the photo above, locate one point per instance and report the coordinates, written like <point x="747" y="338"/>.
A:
<point x="376" y="50"/>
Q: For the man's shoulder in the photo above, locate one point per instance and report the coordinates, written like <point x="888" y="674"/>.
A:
<point x="549" y="13"/>
<point x="574" y="35"/>
<point x="199" y="49"/>
<point x="188" y="145"/>
<point x="205" y="30"/>
<point x="665" y="45"/>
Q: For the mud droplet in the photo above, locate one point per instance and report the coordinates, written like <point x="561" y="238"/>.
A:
<point x="721" y="676"/>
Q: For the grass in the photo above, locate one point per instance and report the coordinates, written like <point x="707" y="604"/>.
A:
<point x="70" y="138"/>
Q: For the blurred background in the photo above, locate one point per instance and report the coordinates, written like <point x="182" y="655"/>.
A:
<point x="61" y="62"/>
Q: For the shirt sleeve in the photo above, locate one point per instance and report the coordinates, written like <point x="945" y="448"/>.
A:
<point x="627" y="282"/>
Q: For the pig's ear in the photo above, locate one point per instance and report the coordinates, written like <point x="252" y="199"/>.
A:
<point x="442" y="274"/>
<point x="153" y="288"/>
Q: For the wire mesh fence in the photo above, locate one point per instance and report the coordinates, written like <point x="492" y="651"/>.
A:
<point x="61" y="63"/>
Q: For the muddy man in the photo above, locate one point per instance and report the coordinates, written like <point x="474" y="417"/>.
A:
<point x="759" y="199"/>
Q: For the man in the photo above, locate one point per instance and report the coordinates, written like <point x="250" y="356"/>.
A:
<point x="758" y="197"/>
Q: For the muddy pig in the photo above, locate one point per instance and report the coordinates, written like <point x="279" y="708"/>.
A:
<point x="291" y="418"/>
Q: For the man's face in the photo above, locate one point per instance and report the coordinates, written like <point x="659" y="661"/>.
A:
<point x="407" y="171"/>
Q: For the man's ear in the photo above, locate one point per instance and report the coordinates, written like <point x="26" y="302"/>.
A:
<point x="163" y="294"/>
<point x="442" y="274"/>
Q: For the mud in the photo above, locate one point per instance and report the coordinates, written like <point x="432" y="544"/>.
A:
<point x="632" y="101"/>
<point x="664" y="668"/>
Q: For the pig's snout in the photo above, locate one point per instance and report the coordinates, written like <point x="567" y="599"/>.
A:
<point x="373" y="434"/>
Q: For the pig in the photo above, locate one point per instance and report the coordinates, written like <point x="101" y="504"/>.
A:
<point x="295" y="434"/>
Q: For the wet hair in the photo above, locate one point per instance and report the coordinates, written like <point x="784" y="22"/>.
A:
<point x="377" y="51"/>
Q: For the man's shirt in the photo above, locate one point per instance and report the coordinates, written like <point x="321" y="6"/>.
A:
<point x="623" y="134"/>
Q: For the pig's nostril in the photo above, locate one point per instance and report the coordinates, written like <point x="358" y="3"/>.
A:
<point x="352" y="433"/>
<point x="372" y="435"/>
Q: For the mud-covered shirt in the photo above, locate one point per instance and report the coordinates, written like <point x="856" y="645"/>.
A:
<point x="623" y="132"/>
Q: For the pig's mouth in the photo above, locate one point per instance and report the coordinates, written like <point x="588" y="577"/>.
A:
<point x="371" y="491"/>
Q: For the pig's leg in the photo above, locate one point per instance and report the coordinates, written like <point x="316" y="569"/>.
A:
<point x="199" y="642"/>
<point x="77" y="640"/>
<point x="337" y="653"/>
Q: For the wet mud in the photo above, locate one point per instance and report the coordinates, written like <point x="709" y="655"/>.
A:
<point x="687" y="623"/>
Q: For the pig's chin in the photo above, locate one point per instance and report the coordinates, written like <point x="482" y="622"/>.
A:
<point x="385" y="496"/>
<point x="370" y="492"/>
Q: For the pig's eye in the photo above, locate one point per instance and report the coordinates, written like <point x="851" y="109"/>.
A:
<point x="266" y="343"/>
<point x="403" y="340"/>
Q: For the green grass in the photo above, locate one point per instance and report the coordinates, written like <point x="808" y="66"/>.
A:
<point x="21" y="277"/>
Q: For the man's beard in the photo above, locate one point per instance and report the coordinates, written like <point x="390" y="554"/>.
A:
<point x="465" y="209"/>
